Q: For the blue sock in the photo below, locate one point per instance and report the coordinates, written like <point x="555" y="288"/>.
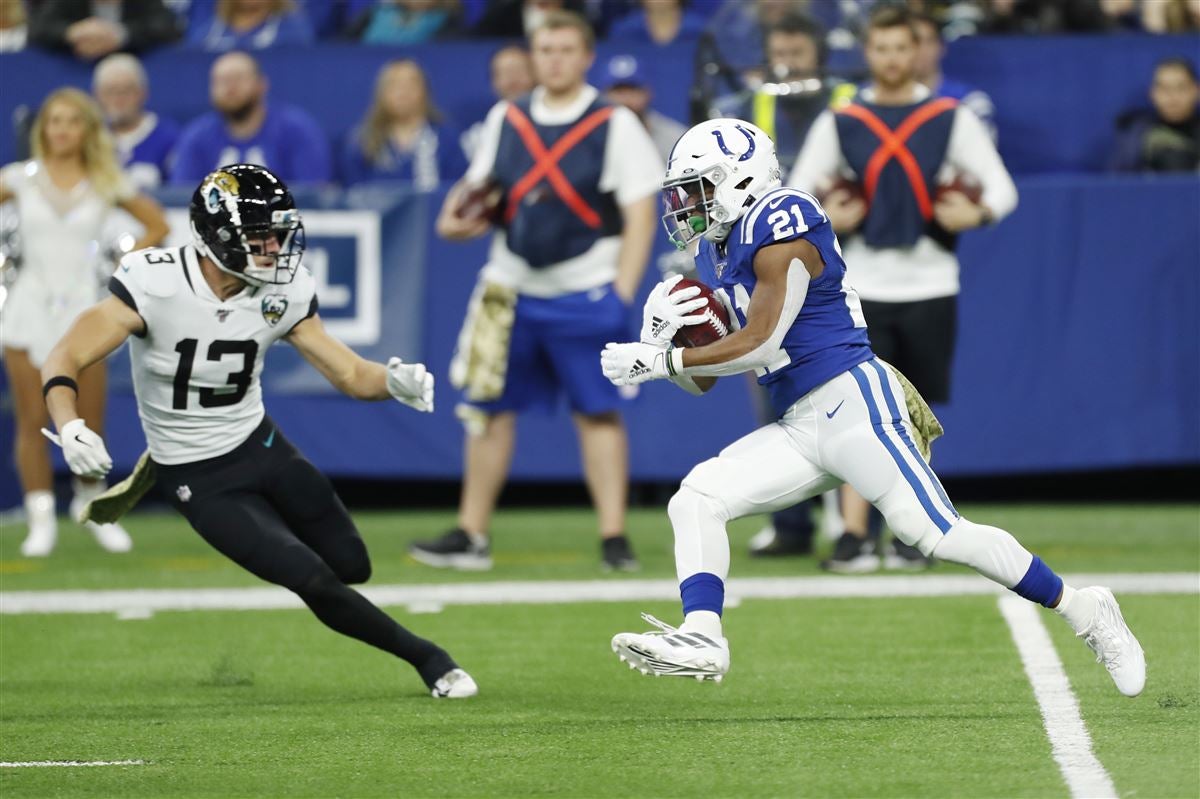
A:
<point x="703" y="591"/>
<point x="1040" y="584"/>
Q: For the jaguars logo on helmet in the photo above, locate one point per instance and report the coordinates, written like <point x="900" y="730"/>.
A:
<point x="245" y="220"/>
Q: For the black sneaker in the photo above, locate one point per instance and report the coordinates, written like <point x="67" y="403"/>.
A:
<point x="454" y="550"/>
<point x="617" y="555"/>
<point x="852" y="555"/>
<point x="905" y="558"/>
<point x="768" y="543"/>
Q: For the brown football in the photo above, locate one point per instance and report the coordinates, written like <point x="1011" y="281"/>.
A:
<point x="717" y="326"/>
<point x="841" y="184"/>
<point x="963" y="182"/>
<point x="480" y="201"/>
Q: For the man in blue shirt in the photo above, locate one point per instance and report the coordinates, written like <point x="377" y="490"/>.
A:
<point x="773" y="261"/>
<point x="243" y="129"/>
<point x="144" y="140"/>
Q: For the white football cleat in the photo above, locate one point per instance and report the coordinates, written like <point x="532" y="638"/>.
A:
<point x="455" y="684"/>
<point x="673" y="653"/>
<point x="40" y="541"/>
<point x="1114" y="644"/>
<point x="111" y="537"/>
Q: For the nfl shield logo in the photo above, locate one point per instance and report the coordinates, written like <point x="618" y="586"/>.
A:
<point x="184" y="493"/>
<point x="274" y="306"/>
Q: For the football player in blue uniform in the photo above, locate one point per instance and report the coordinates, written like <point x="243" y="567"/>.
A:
<point x="844" y="416"/>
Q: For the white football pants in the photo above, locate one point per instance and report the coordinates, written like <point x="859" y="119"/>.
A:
<point x="854" y="429"/>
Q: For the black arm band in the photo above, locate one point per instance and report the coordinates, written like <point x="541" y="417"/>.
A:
<point x="60" y="380"/>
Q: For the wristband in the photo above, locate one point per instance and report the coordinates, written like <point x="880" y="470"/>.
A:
<point x="675" y="361"/>
<point x="60" y="380"/>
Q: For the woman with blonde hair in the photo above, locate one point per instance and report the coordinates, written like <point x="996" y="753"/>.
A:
<point x="61" y="198"/>
<point x="402" y="138"/>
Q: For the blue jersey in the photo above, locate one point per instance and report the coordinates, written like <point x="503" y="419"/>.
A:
<point x="830" y="334"/>
<point x="289" y="143"/>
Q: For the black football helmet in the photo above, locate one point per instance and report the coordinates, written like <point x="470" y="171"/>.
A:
<point x="239" y="214"/>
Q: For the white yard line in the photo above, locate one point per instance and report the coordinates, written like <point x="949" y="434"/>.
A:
<point x="1069" y="740"/>
<point x="428" y="596"/>
<point x="70" y="763"/>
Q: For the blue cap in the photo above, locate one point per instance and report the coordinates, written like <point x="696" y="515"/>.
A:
<point x="624" y="70"/>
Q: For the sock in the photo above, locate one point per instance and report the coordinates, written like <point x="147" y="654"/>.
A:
<point x="85" y="491"/>
<point x="1077" y="609"/>
<point x="39" y="509"/>
<point x="702" y="621"/>
<point x="348" y="612"/>
<point x="703" y="591"/>
<point x="477" y="539"/>
<point x="1040" y="584"/>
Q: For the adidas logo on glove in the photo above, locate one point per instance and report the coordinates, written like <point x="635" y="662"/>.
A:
<point x="639" y="369"/>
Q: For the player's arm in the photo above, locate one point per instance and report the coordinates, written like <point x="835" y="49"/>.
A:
<point x="355" y="376"/>
<point x="972" y="150"/>
<point x="637" y="237"/>
<point x="782" y="273"/>
<point x="94" y="335"/>
<point x="449" y="224"/>
<point x="150" y="215"/>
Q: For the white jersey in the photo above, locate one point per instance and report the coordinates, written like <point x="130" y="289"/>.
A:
<point x="196" y="368"/>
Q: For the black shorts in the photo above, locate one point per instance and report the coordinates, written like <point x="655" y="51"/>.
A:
<point x="265" y="507"/>
<point x="918" y="339"/>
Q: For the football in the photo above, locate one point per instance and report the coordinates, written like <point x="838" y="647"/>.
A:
<point x="841" y="184"/>
<point x="480" y="201"/>
<point x="963" y="182"/>
<point x="717" y="326"/>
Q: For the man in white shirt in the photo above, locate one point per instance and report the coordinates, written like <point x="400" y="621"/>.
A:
<point x="899" y="144"/>
<point x="578" y="179"/>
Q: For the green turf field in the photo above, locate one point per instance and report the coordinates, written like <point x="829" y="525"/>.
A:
<point x="827" y="697"/>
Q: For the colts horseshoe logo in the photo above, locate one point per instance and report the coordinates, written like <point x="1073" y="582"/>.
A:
<point x="749" y="138"/>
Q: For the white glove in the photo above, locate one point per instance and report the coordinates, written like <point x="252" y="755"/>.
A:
<point x="411" y="384"/>
<point x="631" y="364"/>
<point x="83" y="450"/>
<point x="664" y="312"/>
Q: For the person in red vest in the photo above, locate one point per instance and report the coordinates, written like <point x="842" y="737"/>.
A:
<point x="915" y="159"/>
<point x="577" y="180"/>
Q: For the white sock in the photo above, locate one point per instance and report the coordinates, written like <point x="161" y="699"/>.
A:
<point x="478" y="540"/>
<point x="704" y="622"/>
<point x="1078" y="609"/>
<point x="39" y="509"/>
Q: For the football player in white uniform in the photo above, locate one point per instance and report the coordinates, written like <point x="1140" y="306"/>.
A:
<point x="202" y="317"/>
<point x="844" y="416"/>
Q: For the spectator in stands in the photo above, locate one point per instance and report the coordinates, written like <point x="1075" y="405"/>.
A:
<point x="92" y="29"/>
<point x="401" y="137"/>
<point x="795" y="51"/>
<point x="1086" y="16"/>
<point x="900" y="235"/>
<point x="403" y="22"/>
<point x="13" y="30"/>
<point x="144" y="140"/>
<point x="739" y="28"/>
<point x="930" y="50"/>
<point x="517" y="19"/>
<point x="1018" y="17"/>
<point x="1171" y="16"/>
<point x="252" y="25"/>
<point x="1166" y="139"/>
<point x="660" y="22"/>
<point x="567" y="258"/>
<point x="627" y="85"/>
<point x="512" y="77"/>
<point x="243" y="128"/>
<point x="62" y="198"/>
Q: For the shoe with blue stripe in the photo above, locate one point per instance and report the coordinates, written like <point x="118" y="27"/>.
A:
<point x="673" y="653"/>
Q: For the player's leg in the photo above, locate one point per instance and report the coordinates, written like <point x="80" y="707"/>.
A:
<point x="857" y="550"/>
<point x="218" y="501"/>
<point x="760" y="473"/>
<point x="93" y="391"/>
<point x="872" y="448"/>
<point x="32" y="453"/>
<point x="488" y="449"/>
<point x="928" y="330"/>
<point x="313" y="511"/>
<point x="572" y="330"/>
